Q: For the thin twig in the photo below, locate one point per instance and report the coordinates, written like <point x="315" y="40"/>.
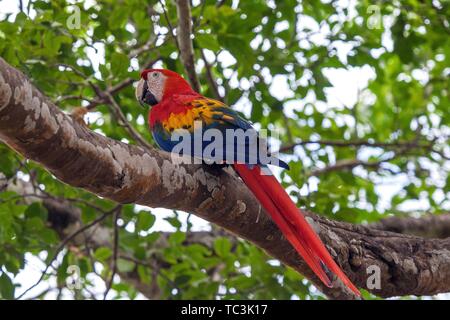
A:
<point x="356" y="143"/>
<point x="71" y="97"/>
<point x="196" y="22"/>
<point x="124" y="122"/>
<point x="153" y="266"/>
<point x="120" y="86"/>
<point x="62" y="245"/>
<point x="105" y="95"/>
<point x="147" y="46"/>
<point x="347" y="164"/>
<point x="210" y="77"/>
<point x="115" y="251"/>
<point x="171" y="28"/>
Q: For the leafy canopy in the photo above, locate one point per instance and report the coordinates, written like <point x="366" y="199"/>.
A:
<point x="277" y="62"/>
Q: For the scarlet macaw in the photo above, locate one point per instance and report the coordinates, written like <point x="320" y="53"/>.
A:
<point x="175" y="105"/>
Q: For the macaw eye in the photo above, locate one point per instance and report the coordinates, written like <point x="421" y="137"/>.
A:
<point x="155" y="75"/>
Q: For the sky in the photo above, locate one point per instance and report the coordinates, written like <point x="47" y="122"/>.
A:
<point x="346" y="85"/>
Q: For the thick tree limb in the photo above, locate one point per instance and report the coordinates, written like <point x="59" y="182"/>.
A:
<point x="427" y="226"/>
<point x="33" y="126"/>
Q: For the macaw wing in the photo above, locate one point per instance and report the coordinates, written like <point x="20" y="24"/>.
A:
<point x="215" y="112"/>
<point x="244" y="149"/>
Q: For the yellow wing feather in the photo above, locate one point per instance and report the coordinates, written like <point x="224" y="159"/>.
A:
<point x="202" y="110"/>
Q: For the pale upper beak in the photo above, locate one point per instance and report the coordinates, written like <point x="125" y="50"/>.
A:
<point x="140" y="92"/>
<point x="143" y="94"/>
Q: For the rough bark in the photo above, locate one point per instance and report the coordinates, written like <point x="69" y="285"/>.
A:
<point x="427" y="226"/>
<point x="33" y="126"/>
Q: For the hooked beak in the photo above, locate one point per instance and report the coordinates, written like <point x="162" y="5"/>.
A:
<point x="143" y="94"/>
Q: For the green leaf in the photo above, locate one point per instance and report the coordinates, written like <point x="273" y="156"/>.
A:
<point x="207" y="41"/>
<point x="6" y="163"/>
<point x="145" y="221"/>
<point x="118" y="18"/>
<point x="222" y="246"/>
<point x="103" y="253"/>
<point x="144" y="275"/>
<point x="119" y="64"/>
<point x="7" y="288"/>
<point x="125" y="265"/>
<point x="34" y="224"/>
<point x="177" y="238"/>
<point x="36" y="210"/>
<point x="238" y="47"/>
<point x="48" y="236"/>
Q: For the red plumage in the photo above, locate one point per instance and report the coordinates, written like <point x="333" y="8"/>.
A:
<point x="292" y="223"/>
<point x="171" y="105"/>
<point x="176" y="86"/>
<point x="176" y="97"/>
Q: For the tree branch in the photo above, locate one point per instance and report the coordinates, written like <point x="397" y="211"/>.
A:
<point x="61" y="246"/>
<point x="118" y="87"/>
<point x="346" y="164"/>
<point x="427" y="226"/>
<point x="185" y="42"/>
<point x="63" y="218"/>
<point x="109" y="283"/>
<point x="210" y="77"/>
<point x="117" y="111"/>
<point x="33" y="126"/>
<point x="359" y="143"/>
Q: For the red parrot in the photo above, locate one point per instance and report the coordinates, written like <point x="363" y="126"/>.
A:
<point x="176" y="106"/>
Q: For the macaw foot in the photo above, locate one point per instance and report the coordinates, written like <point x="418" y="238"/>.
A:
<point x="216" y="168"/>
<point x="78" y="114"/>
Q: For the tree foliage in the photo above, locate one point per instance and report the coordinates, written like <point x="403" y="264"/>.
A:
<point x="344" y="158"/>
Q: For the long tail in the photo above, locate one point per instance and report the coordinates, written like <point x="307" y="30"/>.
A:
<point x="292" y="223"/>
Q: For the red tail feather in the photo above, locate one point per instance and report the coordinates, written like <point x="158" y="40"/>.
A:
<point x="292" y="223"/>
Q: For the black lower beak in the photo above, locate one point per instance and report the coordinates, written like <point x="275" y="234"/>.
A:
<point x="147" y="96"/>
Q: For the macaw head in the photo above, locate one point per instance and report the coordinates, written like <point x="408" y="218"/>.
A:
<point x="158" y="84"/>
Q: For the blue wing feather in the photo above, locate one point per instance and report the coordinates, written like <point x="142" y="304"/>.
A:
<point x="216" y="115"/>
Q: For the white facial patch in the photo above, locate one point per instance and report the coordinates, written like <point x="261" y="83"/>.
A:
<point x="155" y="82"/>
